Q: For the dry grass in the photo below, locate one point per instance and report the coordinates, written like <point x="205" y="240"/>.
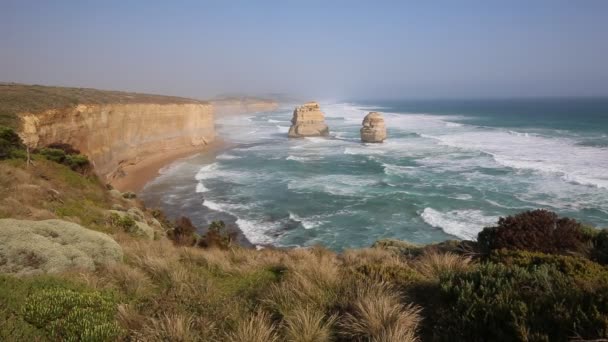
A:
<point x="170" y="327"/>
<point x="308" y="325"/>
<point x="378" y="315"/>
<point x="127" y="279"/>
<point x="433" y="264"/>
<point x="257" y="328"/>
<point x="311" y="279"/>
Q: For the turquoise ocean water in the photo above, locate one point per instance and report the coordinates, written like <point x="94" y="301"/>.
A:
<point x="448" y="169"/>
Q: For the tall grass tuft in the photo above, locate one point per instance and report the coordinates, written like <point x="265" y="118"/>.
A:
<point x="378" y="315"/>
<point x="257" y="328"/>
<point x="434" y="264"/>
<point x="308" y="325"/>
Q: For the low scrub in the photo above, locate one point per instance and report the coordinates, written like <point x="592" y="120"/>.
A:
<point x="496" y="302"/>
<point x="537" y="231"/>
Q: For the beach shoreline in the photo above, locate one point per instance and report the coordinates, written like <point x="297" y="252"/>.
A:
<point x="138" y="174"/>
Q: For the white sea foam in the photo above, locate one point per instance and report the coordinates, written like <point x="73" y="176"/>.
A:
<point x="363" y="150"/>
<point x="574" y="163"/>
<point x="200" y="187"/>
<point x="464" y="224"/>
<point x="307" y="223"/>
<point x="255" y="230"/>
<point x="283" y="129"/>
<point x="275" y="121"/>
<point x="226" y="156"/>
<point x="340" y="185"/>
<point x="206" y="171"/>
<point x="303" y="158"/>
<point x="398" y="170"/>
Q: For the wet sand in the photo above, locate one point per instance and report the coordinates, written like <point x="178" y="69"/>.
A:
<point x="137" y="175"/>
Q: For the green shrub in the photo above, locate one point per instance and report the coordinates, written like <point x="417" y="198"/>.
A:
<point x="78" y="162"/>
<point x="537" y="231"/>
<point x="10" y="143"/>
<point x="69" y="315"/>
<point x="399" y="275"/>
<point x="496" y="302"/>
<point x="53" y="154"/>
<point x="65" y="154"/>
<point x="582" y="271"/>
<point x="216" y="236"/>
<point x="124" y="222"/>
<point x="600" y="247"/>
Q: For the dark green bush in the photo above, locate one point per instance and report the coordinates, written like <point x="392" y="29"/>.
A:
<point x="537" y="231"/>
<point x="183" y="232"/>
<point x="62" y="155"/>
<point x="496" y="302"/>
<point x="78" y="162"/>
<point x="216" y="236"/>
<point x="68" y="315"/>
<point x="581" y="271"/>
<point x="53" y="154"/>
<point x="600" y="247"/>
<point x="10" y="143"/>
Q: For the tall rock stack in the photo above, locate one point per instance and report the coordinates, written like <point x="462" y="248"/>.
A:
<point x="308" y="121"/>
<point x="373" y="130"/>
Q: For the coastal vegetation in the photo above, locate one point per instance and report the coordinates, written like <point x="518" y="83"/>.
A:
<point x="534" y="276"/>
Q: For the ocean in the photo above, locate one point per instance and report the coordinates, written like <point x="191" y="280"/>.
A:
<point x="447" y="169"/>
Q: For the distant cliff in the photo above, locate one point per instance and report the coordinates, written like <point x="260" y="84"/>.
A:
<point x="240" y="105"/>
<point x="115" y="129"/>
<point x="112" y="135"/>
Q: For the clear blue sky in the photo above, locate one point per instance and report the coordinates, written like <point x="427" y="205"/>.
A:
<point x="322" y="49"/>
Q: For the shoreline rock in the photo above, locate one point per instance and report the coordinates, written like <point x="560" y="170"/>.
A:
<point x="308" y="121"/>
<point x="373" y="130"/>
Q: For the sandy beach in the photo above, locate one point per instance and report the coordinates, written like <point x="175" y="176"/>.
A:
<point x="137" y="175"/>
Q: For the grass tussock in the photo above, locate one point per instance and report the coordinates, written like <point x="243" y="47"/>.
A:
<point x="308" y="325"/>
<point x="433" y="265"/>
<point x="256" y="328"/>
<point x="378" y="314"/>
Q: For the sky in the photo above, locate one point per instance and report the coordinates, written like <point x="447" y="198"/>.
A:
<point x="315" y="49"/>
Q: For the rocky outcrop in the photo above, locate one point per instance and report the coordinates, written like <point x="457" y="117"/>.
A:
<point x="373" y="130"/>
<point x="116" y="135"/>
<point x="308" y="121"/>
<point x="53" y="246"/>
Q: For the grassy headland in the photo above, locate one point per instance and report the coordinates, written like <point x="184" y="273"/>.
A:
<point x="19" y="98"/>
<point x="531" y="277"/>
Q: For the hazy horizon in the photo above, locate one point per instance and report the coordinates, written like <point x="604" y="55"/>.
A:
<point x="341" y="50"/>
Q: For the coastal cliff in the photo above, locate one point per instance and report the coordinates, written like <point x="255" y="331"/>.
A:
<point x="241" y="105"/>
<point x="115" y="135"/>
<point x="117" y="130"/>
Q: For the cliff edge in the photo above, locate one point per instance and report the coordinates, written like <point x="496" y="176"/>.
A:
<point x="115" y="129"/>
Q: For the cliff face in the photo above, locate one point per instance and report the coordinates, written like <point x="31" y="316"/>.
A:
<point x="234" y="106"/>
<point x="114" y="135"/>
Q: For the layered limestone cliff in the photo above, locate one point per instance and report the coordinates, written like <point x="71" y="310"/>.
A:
<point x="116" y="135"/>
<point x="232" y="106"/>
<point x="373" y="130"/>
<point x="308" y="121"/>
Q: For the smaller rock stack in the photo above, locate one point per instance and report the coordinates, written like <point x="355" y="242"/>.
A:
<point x="373" y="130"/>
<point x="308" y="121"/>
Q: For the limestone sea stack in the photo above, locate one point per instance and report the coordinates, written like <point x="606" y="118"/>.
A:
<point x="373" y="130"/>
<point x="308" y="121"/>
